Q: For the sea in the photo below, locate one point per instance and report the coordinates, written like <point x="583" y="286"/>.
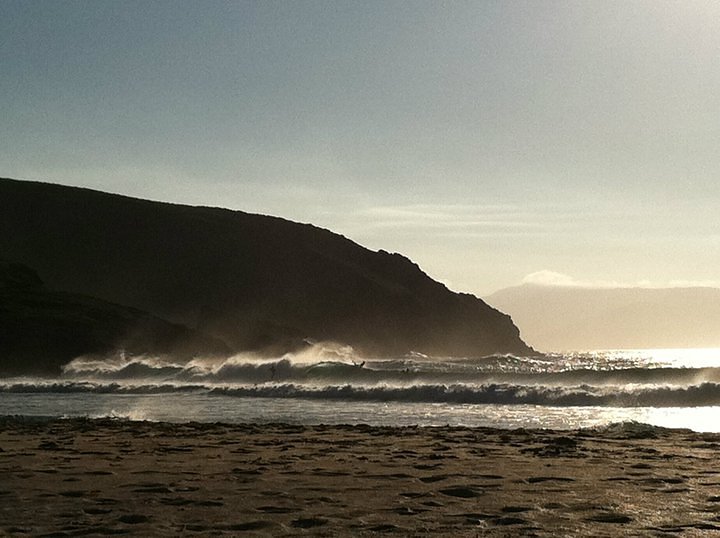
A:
<point x="329" y="384"/>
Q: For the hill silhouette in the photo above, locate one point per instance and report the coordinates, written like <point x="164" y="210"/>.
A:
<point x="41" y="330"/>
<point x="254" y="281"/>
<point x="557" y="318"/>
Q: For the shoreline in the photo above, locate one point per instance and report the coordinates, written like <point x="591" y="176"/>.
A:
<point x="622" y="428"/>
<point x="80" y="476"/>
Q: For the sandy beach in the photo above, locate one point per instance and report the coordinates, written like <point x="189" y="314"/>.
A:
<point x="82" y="477"/>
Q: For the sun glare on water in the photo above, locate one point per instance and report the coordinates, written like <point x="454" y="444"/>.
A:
<point x="668" y="358"/>
<point x="699" y="419"/>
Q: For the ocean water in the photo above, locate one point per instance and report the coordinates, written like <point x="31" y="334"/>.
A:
<point x="328" y="384"/>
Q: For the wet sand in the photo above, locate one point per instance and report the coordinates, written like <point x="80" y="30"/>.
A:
<point x="84" y="477"/>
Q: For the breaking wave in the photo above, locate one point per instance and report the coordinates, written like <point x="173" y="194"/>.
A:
<point x="335" y="373"/>
<point x="503" y="369"/>
<point x="704" y="394"/>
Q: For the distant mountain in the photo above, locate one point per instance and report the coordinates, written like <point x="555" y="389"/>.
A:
<point x="555" y="318"/>
<point x="254" y="281"/>
<point x="41" y="330"/>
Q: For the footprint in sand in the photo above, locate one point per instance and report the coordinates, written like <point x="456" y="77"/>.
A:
<point x="176" y="501"/>
<point x="427" y="466"/>
<point x="154" y="489"/>
<point x="434" y="478"/>
<point x="516" y="509"/>
<point x="538" y="479"/>
<point x="412" y="494"/>
<point x="106" y="501"/>
<point x="384" y="527"/>
<point x="609" y="517"/>
<point x="509" y="520"/>
<point x="209" y="503"/>
<point x="473" y="518"/>
<point x="250" y="526"/>
<point x="407" y="511"/>
<point x="73" y="493"/>
<point x="133" y="519"/>
<point x="97" y="511"/>
<point x="465" y="492"/>
<point x="309" y="522"/>
<point x="277" y="509"/>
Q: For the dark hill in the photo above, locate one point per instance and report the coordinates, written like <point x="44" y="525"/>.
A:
<point x="41" y="330"/>
<point x="256" y="282"/>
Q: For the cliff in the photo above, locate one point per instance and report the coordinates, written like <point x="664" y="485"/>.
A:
<point x="41" y="330"/>
<point x="253" y="281"/>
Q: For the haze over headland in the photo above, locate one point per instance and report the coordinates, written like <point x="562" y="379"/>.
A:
<point x="484" y="140"/>
<point x="558" y="313"/>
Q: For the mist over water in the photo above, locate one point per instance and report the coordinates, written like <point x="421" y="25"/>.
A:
<point x="328" y="383"/>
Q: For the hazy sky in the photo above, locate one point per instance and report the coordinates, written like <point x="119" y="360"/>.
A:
<point x="485" y="140"/>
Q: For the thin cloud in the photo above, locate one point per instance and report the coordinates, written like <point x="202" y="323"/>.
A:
<point x="456" y="220"/>
<point x="553" y="278"/>
<point x="694" y="284"/>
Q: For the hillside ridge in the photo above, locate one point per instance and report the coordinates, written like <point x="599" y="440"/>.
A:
<point x="254" y="281"/>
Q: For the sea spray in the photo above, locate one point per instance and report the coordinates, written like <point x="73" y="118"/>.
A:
<point x="555" y="391"/>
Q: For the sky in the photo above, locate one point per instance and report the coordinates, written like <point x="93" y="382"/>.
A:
<point x="492" y="142"/>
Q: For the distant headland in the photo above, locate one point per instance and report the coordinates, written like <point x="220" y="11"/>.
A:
<point x="562" y="318"/>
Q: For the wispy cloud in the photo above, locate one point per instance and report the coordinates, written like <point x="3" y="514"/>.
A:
<point x="694" y="284"/>
<point x="453" y="219"/>
<point x="552" y="278"/>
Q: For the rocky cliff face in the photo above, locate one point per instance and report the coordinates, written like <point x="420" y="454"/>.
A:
<point x="254" y="281"/>
<point x="41" y="330"/>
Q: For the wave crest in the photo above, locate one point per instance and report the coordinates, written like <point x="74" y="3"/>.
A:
<point x="704" y="394"/>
